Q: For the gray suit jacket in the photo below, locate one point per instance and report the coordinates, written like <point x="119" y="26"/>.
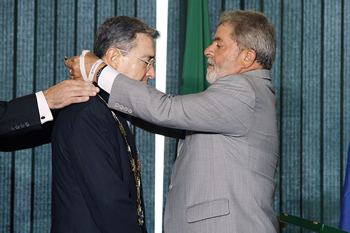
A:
<point x="224" y="177"/>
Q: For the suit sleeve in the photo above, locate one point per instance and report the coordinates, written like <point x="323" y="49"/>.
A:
<point x="152" y="128"/>
<point x="96" y="157"/>
<point x="226" y="107"/>
<point x="20" y="125"/>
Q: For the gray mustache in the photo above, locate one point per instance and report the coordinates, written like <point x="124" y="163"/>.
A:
<point x="211" y="62"/>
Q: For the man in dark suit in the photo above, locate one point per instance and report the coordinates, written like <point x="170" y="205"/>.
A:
<point x="27" y="121"/>
<point x="96" y="171"/>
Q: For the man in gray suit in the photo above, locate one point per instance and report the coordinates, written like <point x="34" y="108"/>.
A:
<point x="224" y="177"/>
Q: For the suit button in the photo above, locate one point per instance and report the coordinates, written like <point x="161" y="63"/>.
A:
<point x="26" y="124"/>
<point x="17" y="126"/>
<point x="126" y="109"/>
<point x="117" y="105"/>
<point x="171" y="186"/>
<point x="121" y="107"/>
<point x="13" y="128"/>
<point x="129" y="111"/>
<point x="22" y="125"/>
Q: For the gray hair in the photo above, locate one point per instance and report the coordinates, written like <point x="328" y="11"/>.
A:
<point x="120" y="32"/>
<point x="251" y="30"/>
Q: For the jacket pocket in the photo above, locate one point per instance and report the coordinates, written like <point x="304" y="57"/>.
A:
<point x="206" y="210"/>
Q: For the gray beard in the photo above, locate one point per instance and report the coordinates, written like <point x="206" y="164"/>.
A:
<point x="213" y="75"/>
<point x="216" y="73"/>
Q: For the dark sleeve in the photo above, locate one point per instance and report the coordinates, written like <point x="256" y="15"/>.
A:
<point x="96" y="149"/>
<point x="152" y="128"/>
<point x="37" y="136"/>
<point x="20" y="125"/>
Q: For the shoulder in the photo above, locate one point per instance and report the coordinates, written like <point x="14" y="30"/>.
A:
<point x="92" y="112"/>
<point x="93" y="106"/>
<point x="236" y="85"/>
<point x="238" y="81"/>
<point x="246" y="82"/>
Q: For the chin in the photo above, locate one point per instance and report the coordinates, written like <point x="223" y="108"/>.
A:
<point x="211" y="79"/>
<point x="212" y="76"/>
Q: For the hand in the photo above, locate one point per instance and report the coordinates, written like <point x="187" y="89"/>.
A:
<point x="69" y="92"/>
<point x="74" y="66"/>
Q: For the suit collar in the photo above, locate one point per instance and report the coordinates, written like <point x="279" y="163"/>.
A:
<point x="261" y="73"/>
<point x="103" y="94"/>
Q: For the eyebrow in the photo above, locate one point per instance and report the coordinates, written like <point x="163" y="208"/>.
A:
<point x="148" y="57"/>
<point x="217" y="39"/>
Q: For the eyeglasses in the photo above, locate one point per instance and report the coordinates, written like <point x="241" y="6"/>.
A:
<point x="149" y="63"/>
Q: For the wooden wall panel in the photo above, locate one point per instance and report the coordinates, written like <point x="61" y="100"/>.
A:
<point x="44" y="77"/>
<point x="290" y="103"/>
<point x="85" y="25"/>
<point x="65" y="37"/>
<point x="254" y="5"/>
<point x="7" y="68"/>
<point x="345" y="85"/>
<point x="24" y="82"/>
<point x="104" y="9"/>
<point x="231" y="5"/>
<point x="311" y="110"/>
<point x="331" y="107"/>
<point x="273" y="11"/>
<point x="126" y="7"/>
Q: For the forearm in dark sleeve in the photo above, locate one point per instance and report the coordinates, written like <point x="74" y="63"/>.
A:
<point x="152" y="128"/>
<point x="19" y="115"/>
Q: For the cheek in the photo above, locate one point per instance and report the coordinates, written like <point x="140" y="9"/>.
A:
<point x="139" y="73"/>
<point x="219" y="59"/>
<point x="134" y="72"/>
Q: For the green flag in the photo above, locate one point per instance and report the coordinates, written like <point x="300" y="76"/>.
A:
<point x="198" y="38"/>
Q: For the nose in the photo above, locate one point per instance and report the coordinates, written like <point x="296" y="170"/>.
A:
<point x="208" y="52"/>
<point x="150" y="74"/>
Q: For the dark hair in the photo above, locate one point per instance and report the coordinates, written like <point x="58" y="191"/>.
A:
<point x="120" y="32"/>
<point x="251" y="30"/>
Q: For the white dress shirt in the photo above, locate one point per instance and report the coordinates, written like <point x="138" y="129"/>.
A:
<point x="106" y="79"/>
<point x="44" y="109"/>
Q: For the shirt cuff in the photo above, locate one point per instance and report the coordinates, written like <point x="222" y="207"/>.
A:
<point x="106" y="79"/>
<point x="44" y="109"/>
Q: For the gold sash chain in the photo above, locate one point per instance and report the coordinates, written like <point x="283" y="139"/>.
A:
<point x="135" y="168"/>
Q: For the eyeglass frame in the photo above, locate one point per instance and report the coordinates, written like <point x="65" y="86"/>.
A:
<point x="149" y="63"/>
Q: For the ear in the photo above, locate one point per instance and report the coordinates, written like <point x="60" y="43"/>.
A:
<point x="113" y="57"/>
<point x="249" y="58"/>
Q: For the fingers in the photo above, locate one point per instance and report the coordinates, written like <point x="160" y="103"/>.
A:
<point x="80" y="88"/>
<point x="68" y="92"/>
<point x="74" y="68"/>
<point x="82" y="99"/>
<point x="80" y="93"/>
<point x="68" y="62"/>
<point x="71" y="62"/>
<point x="70" y="71"/>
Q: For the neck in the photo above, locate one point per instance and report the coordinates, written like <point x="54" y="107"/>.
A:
<point x="254" y="66"/>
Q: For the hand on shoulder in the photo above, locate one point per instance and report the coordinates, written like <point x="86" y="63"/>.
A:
<point x="69" y="92"/>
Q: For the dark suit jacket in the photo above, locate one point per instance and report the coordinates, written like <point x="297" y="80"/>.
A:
<point x="20" y="125"/>
<point x="94" y="187"/>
